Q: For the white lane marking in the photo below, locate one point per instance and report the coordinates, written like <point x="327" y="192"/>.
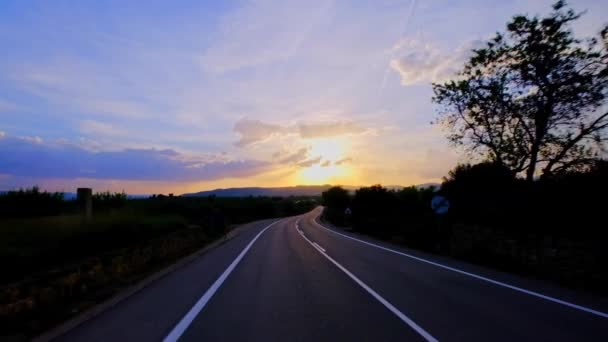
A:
<point x="319" y="247"/>
<point x="495" y="282"/>
<point x="298" y="228"/>
<point x="375" y="294"/>
<point x="179" y="329"/>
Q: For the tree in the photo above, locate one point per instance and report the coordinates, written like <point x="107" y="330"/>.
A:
<point x="376" y="210"/>
<point x="532" y="97"/>
<point x="336" y="199"/>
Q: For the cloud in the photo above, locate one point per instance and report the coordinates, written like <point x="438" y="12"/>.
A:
<point x="32" y="140"/>
<point x="310" y="162"/>
<point x="329" y="129"/>
<point x="78" y="84"/>
<point x="326" y="163"/>
<point x="254" y="131"/>
<point x="100" y="128"/>
<point x="423" y="63"/>
<point x="262" y="33"/>
<point x="30" y="157"/>
<point x="295" y="157"/>
<point x="343" y="161"/>
<point x="2" y="134"/>
<point x="301" y="158"/>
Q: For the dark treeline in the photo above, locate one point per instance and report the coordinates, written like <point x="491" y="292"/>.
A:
<point x="30" y="203"/>
<point x="40" y="229"/>
<point x="553" y="227"/>
<point x="384" y="213"/>
<point x="34" y="203"/>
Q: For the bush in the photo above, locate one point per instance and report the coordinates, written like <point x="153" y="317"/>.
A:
<point x="485" y="193"/>
<point x="108" y="200"/>
<point x="30" y="202"/>
<point x="375" y="211"/>
<point x="336" y="200"/>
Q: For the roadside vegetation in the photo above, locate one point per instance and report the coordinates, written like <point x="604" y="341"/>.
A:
<point x="56" y="263"/>
<point x="552" y="228"/>
<point x="530" y="109"/>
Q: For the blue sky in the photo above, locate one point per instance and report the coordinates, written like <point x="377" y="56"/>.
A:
<point x="176" y="96"/>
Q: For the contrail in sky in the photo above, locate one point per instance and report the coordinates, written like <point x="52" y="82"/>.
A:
<point x="405" y="24"/>
<point x="304" y="32"/>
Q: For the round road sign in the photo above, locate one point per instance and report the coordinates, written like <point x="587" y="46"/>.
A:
<point x="440" y="205"/>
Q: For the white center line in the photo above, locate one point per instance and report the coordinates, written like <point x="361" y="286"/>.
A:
<point x="319" y="247"/>
<point x="495" y="282"/>
<point x="375" y="294"/>
<point x="185" y="322"/>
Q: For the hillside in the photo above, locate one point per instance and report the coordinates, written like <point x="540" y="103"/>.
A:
<point x="300" y="190"/>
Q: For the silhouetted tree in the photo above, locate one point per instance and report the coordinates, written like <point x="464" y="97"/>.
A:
<point x="375" y="210"/>
<point x="109" y="200"/>
<point x="30" y="202"/>
<point x="532" y="97"/>
<point x="336" y="199"/>
<point x="487" y="192"/>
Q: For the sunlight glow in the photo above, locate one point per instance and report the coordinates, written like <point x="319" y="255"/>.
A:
<point x="318" y="174"/>
<point x="331" y="151"/>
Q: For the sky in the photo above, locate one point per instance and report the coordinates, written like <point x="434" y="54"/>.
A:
<point x="181" y="96"/>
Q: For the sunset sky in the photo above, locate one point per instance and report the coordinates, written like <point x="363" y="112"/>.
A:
<point x="180" y="96"/>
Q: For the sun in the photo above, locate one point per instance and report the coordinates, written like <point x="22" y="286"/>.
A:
<point x="331" y="168"/>
<point x="328" y="149"/>
<point x="318" y="174"/>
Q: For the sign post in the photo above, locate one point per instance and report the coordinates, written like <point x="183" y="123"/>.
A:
<point x="348" y="213"/>
<point x="85" y="201"/>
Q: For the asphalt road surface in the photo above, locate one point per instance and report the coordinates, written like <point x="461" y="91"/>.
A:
<point x="295" y="280"/>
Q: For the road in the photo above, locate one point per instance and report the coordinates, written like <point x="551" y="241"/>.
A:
<point x="294" y="280"/>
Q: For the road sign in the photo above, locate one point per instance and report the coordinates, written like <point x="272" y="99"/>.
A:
<point x="440" y="205"/>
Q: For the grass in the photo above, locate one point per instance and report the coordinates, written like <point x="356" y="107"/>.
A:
<point x="40" y="302"/>
<point x="54" y="267"/>
<point x="30" y="245"/>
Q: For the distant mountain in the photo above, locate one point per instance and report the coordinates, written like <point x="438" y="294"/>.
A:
<point x="428" y="185"/>
<point x="300" y="190"/>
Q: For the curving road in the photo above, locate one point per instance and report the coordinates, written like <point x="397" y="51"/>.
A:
<point x="293" y="279"/>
